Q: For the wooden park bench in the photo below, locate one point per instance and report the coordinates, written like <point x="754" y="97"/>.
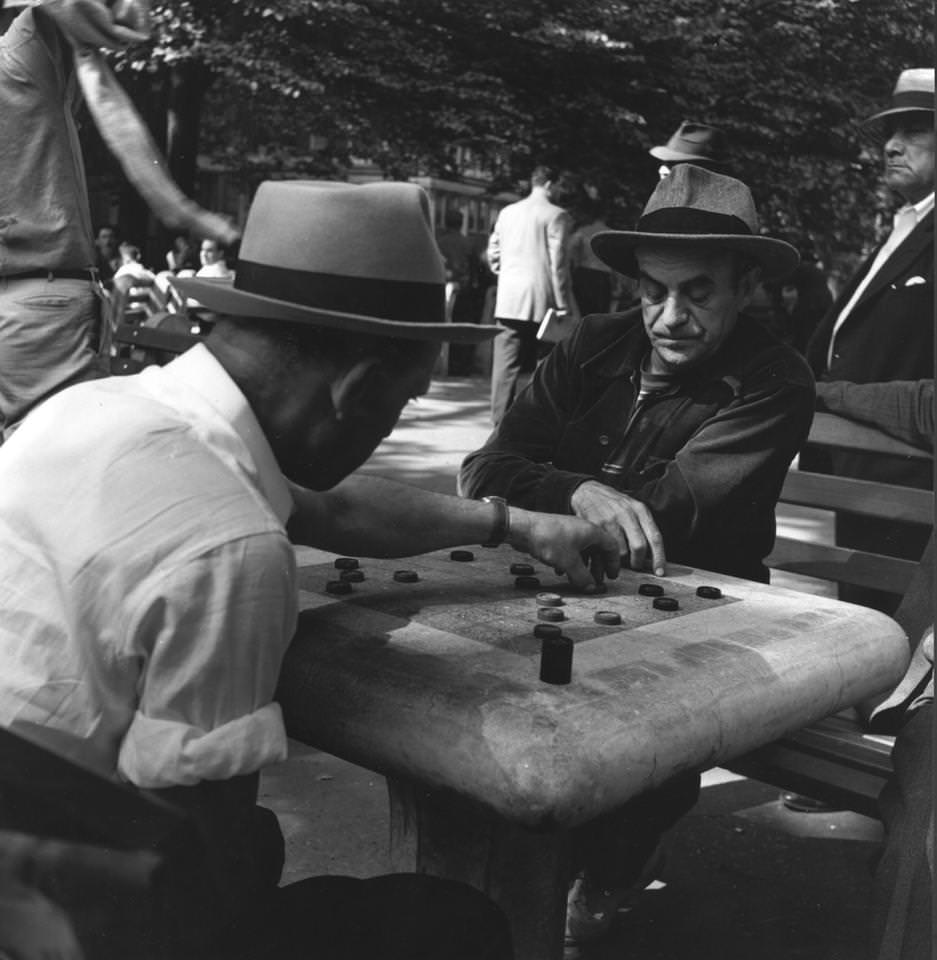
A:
<point x="836" y="759"/>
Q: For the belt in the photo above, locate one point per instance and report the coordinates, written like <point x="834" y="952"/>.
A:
<point x="85" y="274"/>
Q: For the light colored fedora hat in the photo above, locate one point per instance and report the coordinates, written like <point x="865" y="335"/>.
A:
<point x="698" y="206"/>
<point x="693" y="141"/>
<point x="350" y="257"/>
<point x="914" y="91"/>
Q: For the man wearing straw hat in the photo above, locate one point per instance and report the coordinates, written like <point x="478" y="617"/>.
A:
<point x="148" y="582"/>
<point x="881" y="327"/>
<point x="672" y="425"/>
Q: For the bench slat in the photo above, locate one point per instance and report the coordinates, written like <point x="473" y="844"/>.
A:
<point x="841" y="565"/>
<point x="858" y="496"/>
<point x="826" y="778"/>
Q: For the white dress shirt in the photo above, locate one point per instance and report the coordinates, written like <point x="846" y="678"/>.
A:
<point x="147" y="585"/>
<point x="904" y="221"/>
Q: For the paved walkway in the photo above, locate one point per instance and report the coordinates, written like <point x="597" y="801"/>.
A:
<point x="745" y="880"/>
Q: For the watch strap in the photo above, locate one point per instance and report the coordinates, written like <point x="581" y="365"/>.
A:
<point x="501" y="524"/>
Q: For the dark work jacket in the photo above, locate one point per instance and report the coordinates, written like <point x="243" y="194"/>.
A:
<point x="888" y="335"/>
<point x="708" y="460"/>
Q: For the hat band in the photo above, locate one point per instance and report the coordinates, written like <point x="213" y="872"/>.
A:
<point x="913" y="100"/>
<point x="692" y="222"/>
<point x="404" y="301"/>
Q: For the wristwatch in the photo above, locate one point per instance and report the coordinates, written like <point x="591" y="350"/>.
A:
<point x="502" y="522"/>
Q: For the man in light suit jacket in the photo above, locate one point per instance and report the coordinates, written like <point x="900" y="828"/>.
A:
<point x="881" y="328"/>
<point x="527" y="251"/>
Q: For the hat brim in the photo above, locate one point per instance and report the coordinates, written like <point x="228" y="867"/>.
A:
<point x="875" y="125"/>
<point x="616" y="248"/>
<point x="222" y="297"/>
<point x="675" y="156"/>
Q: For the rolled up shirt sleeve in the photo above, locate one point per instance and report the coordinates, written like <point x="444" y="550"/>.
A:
<point x="211" y="635"/>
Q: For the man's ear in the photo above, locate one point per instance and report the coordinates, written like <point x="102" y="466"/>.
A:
<point x="353" y="388"/>
<point x="748" y="285"/>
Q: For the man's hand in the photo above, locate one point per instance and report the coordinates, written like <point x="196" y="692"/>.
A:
<point x="627" y="520"/>
<point x="581" y="550"/>
<point x="96" y="23"/>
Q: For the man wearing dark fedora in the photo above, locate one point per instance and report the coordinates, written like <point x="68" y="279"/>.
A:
<point x="147" y="577"/>
<point x="881" y="327"/>
<point x="672" y="425"/>
<point x="697" y="143"/>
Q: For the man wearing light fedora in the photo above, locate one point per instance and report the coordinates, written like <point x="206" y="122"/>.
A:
<point x="881" y="327"/>
<point x="696" y="143"/>
<point x="147" y="577"/>
<point x="679" y="416"/>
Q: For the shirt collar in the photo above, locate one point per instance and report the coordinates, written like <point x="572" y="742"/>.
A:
<point x="921" y="208"/>
<point x="202" y="373"/>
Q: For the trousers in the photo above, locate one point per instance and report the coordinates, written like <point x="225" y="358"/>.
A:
<point x="515" y="352"/>
<point x="45" y="341"/>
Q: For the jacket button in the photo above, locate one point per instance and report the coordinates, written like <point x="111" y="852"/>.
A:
<point x="603" y="440"/>
<point x="836" y="356"/>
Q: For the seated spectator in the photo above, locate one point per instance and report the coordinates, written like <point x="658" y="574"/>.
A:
<point x="214" y="261"/>
<point x="144" y="642"/>
<point x="130" y="266"/>
<point x="181" y="256"/>
<point x="107" y="259"/>
<point x="902" y="893"/>
<point x="672" y="426"/>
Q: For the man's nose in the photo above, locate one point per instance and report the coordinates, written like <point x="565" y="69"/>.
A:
<point x="675" y="312"/>
<point x="894" y="145"/>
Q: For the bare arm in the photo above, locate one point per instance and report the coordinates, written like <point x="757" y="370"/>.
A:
<point x="373" y="517"/>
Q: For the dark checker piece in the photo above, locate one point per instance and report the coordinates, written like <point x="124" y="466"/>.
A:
<point x="406" y="576"/>
<point x="546" y="630"/>
<point x="346" y="563"/>
<point x="338" y="586"/>
<point x="352" y="576"/>
<point x="526" y="583"/>
<point x="553" y="614"/>
<point x="650" y="590"/>
<point x="709" y="593"/>
<point x="609" y="617"/>
<point x="463" y="556"/>
<point x="522" y="569"/>
<point x="666" y="603"/>
<point x="556" y="659"/>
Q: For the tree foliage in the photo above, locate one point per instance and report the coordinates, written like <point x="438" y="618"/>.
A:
<point x="587" y="84"/>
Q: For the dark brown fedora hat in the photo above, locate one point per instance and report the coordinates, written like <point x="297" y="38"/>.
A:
<point x="698" y="206"/>
<point x="693" y="142"/>
<point x="358" y="258"/>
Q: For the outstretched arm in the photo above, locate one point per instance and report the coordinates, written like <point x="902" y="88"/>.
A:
<point x="370" y="516"/>
<point x="900" y="408"/>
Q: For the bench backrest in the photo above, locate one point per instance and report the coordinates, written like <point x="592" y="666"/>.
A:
<point x="837" y="759"/>
<point x="881" y="500"/>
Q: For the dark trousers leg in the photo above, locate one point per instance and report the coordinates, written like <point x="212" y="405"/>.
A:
<point x="613" y="849"/>
<point x="903" y="884"/>
<point x="513" y="352"/>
